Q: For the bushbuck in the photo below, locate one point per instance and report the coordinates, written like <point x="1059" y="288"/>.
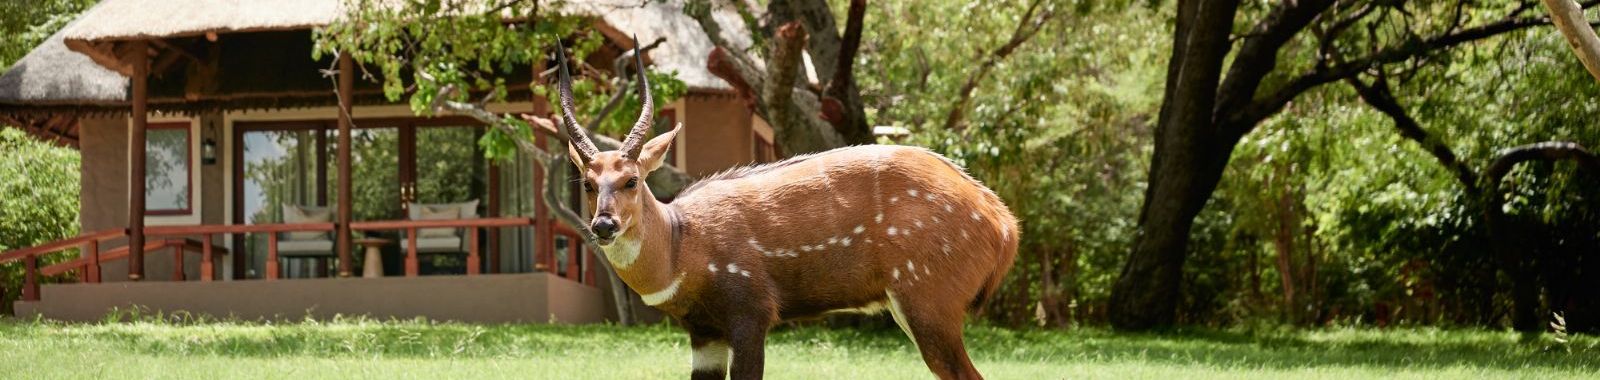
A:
<point x="857" y="229"/>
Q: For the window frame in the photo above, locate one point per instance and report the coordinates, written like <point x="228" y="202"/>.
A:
<point x="188" y="168"/>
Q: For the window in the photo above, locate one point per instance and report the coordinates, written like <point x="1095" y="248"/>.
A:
<point x="166" y="169"/>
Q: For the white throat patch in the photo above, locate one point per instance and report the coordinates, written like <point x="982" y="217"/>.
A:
<point x="665" y="294"/>
<point x="622" y="253"/>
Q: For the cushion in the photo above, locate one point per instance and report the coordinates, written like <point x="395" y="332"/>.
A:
<point x="434" y="245"/>
<point x="450" y="213"/>
<point x="297" y="214"/>
<point x="468" y="209"/>
<point x="322" y="247"/>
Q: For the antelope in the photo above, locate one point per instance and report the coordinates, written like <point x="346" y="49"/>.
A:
<point x="858" y="229"/>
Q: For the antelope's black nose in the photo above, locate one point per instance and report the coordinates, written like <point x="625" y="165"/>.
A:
<point x="604" y="226"/>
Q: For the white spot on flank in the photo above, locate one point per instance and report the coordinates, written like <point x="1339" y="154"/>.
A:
<point x="964" y="235"/>
<point x="892" y="231"/>
<point x="833" y="240"/>
<point x="947" y="248"/>
<point x="911" y="266"/>
<point x="929" y="197"/>
<point x="911" y="192"/>
<point x="919" y="223"/>
<point x="896" y="273"/>
<point x="744" y="273"/>
<point x="665" y="294"/>
<point x="713" y="356"/>
<point x="878" y="218"/>
<point x="927" y="271"/>
<point x="949" y="208"/>
<point x="845" y="241"/>
<point x="859" y="229"/>
<point x="975" y="215"/>
<point x="733" y="268"/>
<point x="894" y="199"/>
<point x="712" y="267"/>
<point x="806" y="248"/>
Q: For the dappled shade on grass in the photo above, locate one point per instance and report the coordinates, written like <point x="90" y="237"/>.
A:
<point x="356" y="348"/>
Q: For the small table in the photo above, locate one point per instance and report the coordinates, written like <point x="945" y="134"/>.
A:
<point x="372" y="267"/>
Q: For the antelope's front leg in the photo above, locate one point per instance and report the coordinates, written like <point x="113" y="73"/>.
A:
<point x="710" y="357"/>
<point x="748" y="338"/>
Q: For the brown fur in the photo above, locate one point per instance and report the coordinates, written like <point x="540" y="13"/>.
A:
<point x="835" y="231"/>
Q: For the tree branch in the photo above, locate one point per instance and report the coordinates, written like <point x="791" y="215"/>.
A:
<point x="1570" y="21"/>
<point x="1025" y="30"/>
<point x="796" y="123"/>
<point x="1258" y="56"/>
<point x="1242" y="121"/>
<point x="1380" y="98"/>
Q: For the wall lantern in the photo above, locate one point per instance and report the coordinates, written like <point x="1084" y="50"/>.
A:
<point x="208" y="147"/>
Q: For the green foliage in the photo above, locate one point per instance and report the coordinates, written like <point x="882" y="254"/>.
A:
<point x="1061" y="130"/>
<point x="361" y="348"/>
<point x="465" y="51"/>
<point x="25" y="24"/>
<point x="40" y="203"/>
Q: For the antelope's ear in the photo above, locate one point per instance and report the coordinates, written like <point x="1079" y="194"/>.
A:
<point x="655" y="151"/>
<point x="577" y="160"/>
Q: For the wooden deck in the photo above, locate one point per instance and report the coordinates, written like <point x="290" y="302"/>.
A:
<point x="495" y="298"/>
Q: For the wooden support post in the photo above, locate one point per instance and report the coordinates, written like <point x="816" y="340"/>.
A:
<point x="543" y="243"/>
<point x="272" y="255"/>
<point x="472" y="251"/>
<point x="207" y="265"/>
<point x="92" y="270"/>
<point x="30" y="282"/>
<point x="411" y="252"/>
<point x="346" y="88"/>
<point x="177" y="262"/>
<point x="494" y="212"/>
<point x="136" y="158"/>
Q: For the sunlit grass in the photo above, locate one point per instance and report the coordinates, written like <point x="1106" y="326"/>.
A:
<point x="358" y="348"/>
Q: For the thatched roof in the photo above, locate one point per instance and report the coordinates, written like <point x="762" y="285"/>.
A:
<point x="685" y="50"/>
<point x="114" y="20"/>
<point x="56" y="76"/>
<point x="52" y="74"/>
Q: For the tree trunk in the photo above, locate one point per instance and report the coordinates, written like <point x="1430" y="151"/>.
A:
<point x="1568" y="17"/>
<point x="1189" y="157"/>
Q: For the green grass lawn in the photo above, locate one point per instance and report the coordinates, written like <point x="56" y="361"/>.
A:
<point x="421" y="350"/>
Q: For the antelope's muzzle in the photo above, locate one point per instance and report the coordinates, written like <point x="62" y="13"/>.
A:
<point x="604" y="227"/>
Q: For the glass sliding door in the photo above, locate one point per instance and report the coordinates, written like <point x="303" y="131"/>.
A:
<point x="286" y="169"/>
<point x="278" y="169"/>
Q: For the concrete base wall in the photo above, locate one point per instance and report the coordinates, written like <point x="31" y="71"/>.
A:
<point x="505" y="298"/>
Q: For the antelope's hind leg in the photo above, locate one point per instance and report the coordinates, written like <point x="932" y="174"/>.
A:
<point x="936" y="330"/>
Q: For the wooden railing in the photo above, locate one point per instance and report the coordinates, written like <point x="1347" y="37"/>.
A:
<point x="272" y="231"/>
<point x="471" y="225"/>
<point x="88" y="266"/>
<point x="90" y="243"/>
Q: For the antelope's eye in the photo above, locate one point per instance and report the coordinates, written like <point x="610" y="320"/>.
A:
<point x="588" y="186"/>
<point x="633" y="182"/>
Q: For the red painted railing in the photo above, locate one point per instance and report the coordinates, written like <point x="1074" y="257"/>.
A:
<point x="88" y="266"/>
<point x="471" y="225"/>
<point x="272" y="231"/>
